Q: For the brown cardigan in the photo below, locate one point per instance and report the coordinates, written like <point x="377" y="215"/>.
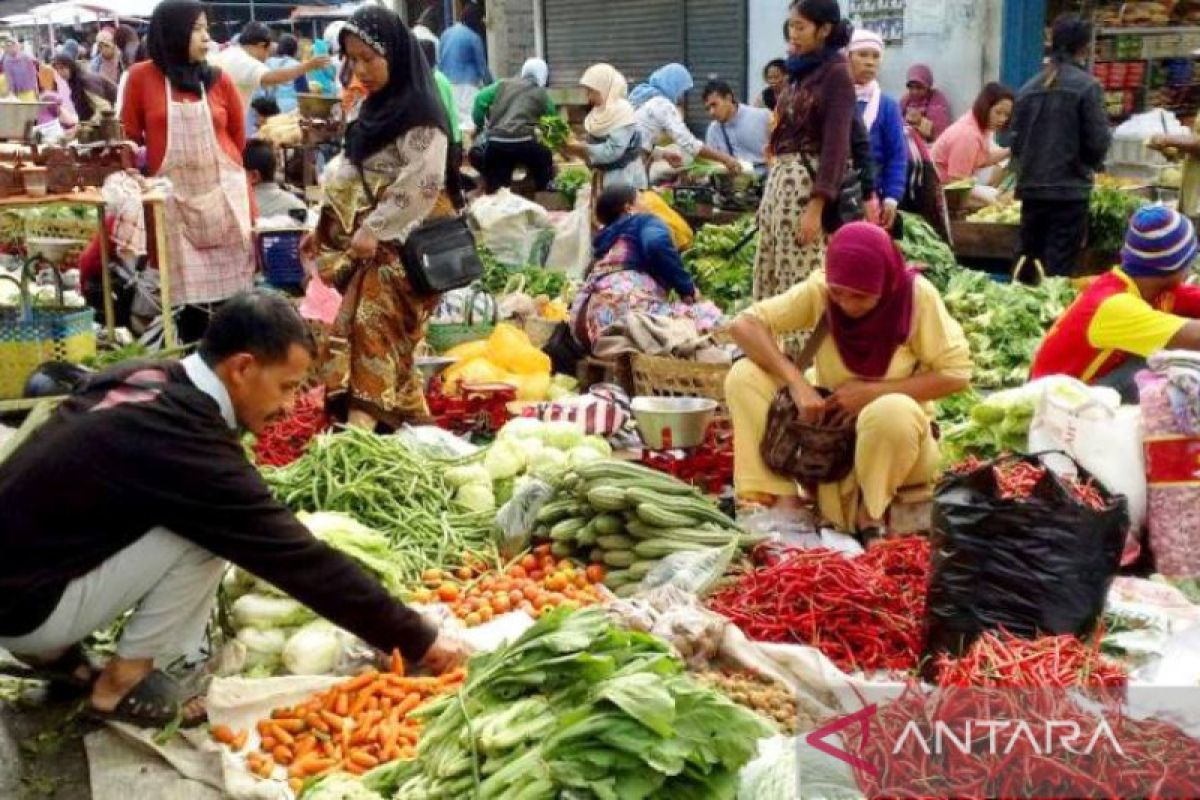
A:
<point x="813" y="118"/>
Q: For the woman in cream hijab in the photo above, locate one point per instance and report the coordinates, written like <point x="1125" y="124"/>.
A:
<point x="613" y="147"/>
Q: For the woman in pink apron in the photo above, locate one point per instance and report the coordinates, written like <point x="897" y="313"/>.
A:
<point x="190" y="117"/>
<point x="388" y="180"/>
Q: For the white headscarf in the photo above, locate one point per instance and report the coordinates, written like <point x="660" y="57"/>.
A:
<point x="538" y="70"/>
<point x="616" y="111"/>
<point x="870" y="93"/>
<point x="332" y="31"/>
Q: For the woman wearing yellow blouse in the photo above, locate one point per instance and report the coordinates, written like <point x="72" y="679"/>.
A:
<point x="891" y="349"/>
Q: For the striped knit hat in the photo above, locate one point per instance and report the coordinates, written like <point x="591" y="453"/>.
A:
<point x="1160" y="241"/>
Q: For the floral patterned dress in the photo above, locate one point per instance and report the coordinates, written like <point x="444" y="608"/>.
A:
<point x="369" y="365"/>
<point x="614" y="288"/>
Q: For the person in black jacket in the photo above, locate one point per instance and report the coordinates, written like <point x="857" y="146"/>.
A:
<point x="1060" y="138"/>
<point x="137" y="493"/>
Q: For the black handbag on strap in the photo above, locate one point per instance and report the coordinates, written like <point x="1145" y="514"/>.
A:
<point x="439" y="255"/>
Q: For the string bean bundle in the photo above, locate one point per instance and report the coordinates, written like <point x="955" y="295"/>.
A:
<point x="387" y="486"/>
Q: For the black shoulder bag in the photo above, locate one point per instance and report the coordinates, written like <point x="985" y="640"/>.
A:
<point x="439" y="255"/>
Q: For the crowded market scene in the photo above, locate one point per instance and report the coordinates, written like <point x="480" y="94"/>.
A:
<point x="714" y="399"/>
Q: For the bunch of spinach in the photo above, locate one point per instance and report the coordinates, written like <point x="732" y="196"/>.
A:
<point x="1004" y="323"/>
<point x="538" y="281"/>
<point x="553" y="131"/>
<point x="1108" y="216"/>
<point x="724" y="277"/>
<point x="577" y="708"/>
<point x="570" y="180"/>
<point x="921" y="244"/>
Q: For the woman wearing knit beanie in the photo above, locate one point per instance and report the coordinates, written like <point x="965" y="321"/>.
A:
<point x="1139" y="308"/>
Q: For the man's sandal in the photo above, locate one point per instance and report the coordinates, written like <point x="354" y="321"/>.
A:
<point x="155" y="702"/>
<point x="64" y="671"/>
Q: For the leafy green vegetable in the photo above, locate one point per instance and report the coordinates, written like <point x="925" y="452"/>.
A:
<point x="570" y="180"/>
<point x="553" y="131"/>
<point x="538" y="280"/>
<point x="725" y="279"/>
<point x="577" y="708"/>
<point x="922" y="245"/>
<point x="1004" y="323"/>
<point x="1108" y="217"/>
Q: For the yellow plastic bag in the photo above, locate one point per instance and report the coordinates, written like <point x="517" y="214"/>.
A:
<point x="475" y="370"/>
<point x="681" y="232"/>
<point x="531" y="388"/>
<point x="510" y="349"/>
<point x="468" y="350"/>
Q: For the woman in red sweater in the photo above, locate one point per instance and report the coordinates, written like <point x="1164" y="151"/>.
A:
<point x="189" y="116"/>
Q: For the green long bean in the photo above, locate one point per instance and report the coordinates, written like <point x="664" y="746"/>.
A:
<point x="387" y="486"/>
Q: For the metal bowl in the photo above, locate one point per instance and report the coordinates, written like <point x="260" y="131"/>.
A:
<point x="671" y="422"/>
<point x="432" y="366"/>
<point x="315" y="106"/>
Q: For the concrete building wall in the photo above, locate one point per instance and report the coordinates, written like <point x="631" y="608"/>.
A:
<point x="512" y="35"/>
<point x="958" y="39"/>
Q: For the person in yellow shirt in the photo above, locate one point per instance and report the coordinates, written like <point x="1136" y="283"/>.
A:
<point x="889" y="349"/>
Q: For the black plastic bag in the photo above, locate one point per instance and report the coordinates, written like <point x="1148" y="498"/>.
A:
<point x="1041" y="565"/>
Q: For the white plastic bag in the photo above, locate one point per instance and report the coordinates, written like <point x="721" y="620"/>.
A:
<point x="517" y="231"/>
<point x="693" y="571"/>
<point x="571" y="251"/>
<point x="1104" y="437"/>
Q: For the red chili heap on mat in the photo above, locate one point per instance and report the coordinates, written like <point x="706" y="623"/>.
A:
<point x="1016" y="481"/>
<point x="284" y="440"/>
<point x="863" y="613"/>
<point x="1048" y="662"/>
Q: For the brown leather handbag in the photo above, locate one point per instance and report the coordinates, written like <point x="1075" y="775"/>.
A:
<point x="809" y="452"/>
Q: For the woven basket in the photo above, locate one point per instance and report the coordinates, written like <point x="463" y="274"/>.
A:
<point x="31" y="336"/>
<point x="656" y="376"/>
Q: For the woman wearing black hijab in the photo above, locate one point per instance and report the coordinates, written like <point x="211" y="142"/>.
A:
<point x="389" y="179"/>
<point x="190" y="117"/>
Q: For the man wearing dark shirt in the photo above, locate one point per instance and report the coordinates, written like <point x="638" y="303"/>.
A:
<point x="137" y="494"/>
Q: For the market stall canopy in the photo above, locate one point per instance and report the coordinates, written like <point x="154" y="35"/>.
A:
<point x="76" y="13"/>
<point x="344" y="11"/>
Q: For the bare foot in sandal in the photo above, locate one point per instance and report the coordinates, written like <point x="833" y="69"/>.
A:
<point x="131" y="690"/>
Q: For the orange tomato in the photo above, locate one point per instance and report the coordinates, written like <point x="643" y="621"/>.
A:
<point x="595" y="573"/>
<point x="531" y="592"/>
<point x="485" y="613"/>
<point x="529" y="562"/>
<point x="536" y="575"/>
<point x="464" y="573"/>
<point x="501" y="604"/>
<point x="432" y="577"/>
<point x="580" y="580"/>
<point x="447" y="592"/>
<point x="472" y="619"/>
<point x="517" y="571"/>
<point x="557" y="582"/>
<point x="516" y="597"/>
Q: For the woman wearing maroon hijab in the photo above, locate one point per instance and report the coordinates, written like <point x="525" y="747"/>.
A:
<point x="889" y="348"/>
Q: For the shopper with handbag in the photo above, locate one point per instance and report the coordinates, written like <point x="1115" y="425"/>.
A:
<point x="810" y="145"/>
<point x="882" y="346"/>
<point x="389" y="179"/>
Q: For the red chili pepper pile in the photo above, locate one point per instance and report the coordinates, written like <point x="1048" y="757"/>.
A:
<point x="1016" y="481"/>
<point x="1016" y="744"/>
<point x="1004" y="660"/>
<point x="863" y="613"/>
<point x="284" y="440"/>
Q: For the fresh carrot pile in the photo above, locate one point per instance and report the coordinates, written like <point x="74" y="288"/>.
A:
<point x="534" y="584"/>
<point x="351" y="727"/>
<point x="1016" y="480"/>
<point x="1004" y="660"/>
<point x="284" y="440"/>
<point x="863" y="613"/>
